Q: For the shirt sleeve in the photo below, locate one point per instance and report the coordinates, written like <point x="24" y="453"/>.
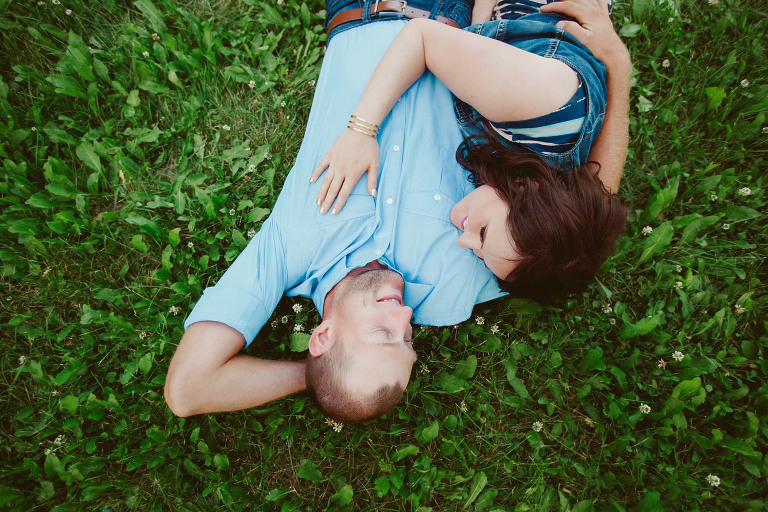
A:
<point x="249" y="291"/>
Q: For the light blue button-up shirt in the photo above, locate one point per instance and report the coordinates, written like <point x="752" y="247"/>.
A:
<point x="406" y="227"/>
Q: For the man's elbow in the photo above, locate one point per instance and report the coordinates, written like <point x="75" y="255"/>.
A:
<point x="179" y="397"/>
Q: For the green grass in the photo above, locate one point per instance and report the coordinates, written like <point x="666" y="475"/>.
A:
<point x="123" y="195"/>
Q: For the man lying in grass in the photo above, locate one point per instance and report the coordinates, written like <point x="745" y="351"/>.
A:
<point x="368" y="268"/>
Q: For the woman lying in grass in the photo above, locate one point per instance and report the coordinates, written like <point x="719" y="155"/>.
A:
<point x="531" y="100"/>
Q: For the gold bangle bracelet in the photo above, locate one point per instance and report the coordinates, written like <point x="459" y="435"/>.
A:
<point x="359" y="120"/>
<point x="360" y="129"/>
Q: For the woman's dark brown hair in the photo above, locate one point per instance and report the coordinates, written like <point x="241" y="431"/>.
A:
<point x="564" y="224"/>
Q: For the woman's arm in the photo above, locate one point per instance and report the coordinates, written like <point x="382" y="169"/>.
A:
<point x="483" y="11"/>
<point x="502" y="82"/>
<point x="595" y="30"/>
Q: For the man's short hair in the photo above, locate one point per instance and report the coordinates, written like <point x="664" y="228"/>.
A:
<point x="325" y="385"/>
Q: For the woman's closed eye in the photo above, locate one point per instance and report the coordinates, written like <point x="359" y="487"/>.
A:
<point x="482" y="235"/>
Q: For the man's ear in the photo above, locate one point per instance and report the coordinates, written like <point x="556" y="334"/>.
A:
<point x="322" y="338"/>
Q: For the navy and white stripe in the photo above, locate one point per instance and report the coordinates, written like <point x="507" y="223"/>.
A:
<point x="551" y="134"/>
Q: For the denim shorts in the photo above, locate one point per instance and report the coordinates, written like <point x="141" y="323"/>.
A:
<point x="537" y="33"/>
<point x="459" y="11"/>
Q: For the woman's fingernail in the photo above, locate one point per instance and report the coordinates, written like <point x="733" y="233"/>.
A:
<point x="318" y="202"/>
<point x="373" y="192"/>
<point x="322" y="210"/>
<point x="333" y="212"/>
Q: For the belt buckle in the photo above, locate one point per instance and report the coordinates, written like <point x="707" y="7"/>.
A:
<point x="376" y="13"/>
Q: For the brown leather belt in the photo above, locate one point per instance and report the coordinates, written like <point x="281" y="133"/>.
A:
<point x="386" y="8"/>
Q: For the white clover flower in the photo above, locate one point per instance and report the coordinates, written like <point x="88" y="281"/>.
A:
<point x="174" y="310"/>
<point x="739" y="309"/>
<point x="143" y="335"/>
<point x="713" y="197"/>
<point x="665" y="63"/>
<point x="463" y="406"/>
<point x="56" y="2"/>
<point x="613" y="321"/>
<point x="670" y="20"/>
<point x="713" y="480"/>
<point x="336" y="426"/>
<point x="744" y="83"/>
<point x="68" y="12"/>
<point x="252" y="84"/>
<point x="312" y="83"/>
<point x="284" y="319"/>
<point x="479" y="320"/>
<point x="279" y="2"/>
<point x="54" y="393"/>
<point x="537" y="426"/>
<point x="22" y="360"/>
<point x="678" y="268"/>
<point x="713" y="2"/>
<point x="495" y="328"/>
<point x="662" y="364"/>
<point x="765" y="129"/>
<point x="645" y="408"/>
<point x="726" y="226"/>
<point x="677" y="355"/>
<point x="298" y="328"/>
<point x="273" y="324"/>
<point x="744" y="192"/>
<point x="34" y="128"/>
<point x="607" y="308"/>
<point x="145" y="53"/>
<point x="267" y="155"/>
<point x="190" y="244"/>
<point x="251" y="233"/>
<point x="226" y="127"/>
<point x="424" y="368"/>
<point x="251" y="168"/>
<point x="647" y="230"/>
<point x="155" y="37"/>
<point x="59" y="440"/>
<point x="297" y="308"/>
<point x="678" y="285"/>
<point x="282" y="104"/>
<point x="49" y="450"/>
<point x="232" y="211"/>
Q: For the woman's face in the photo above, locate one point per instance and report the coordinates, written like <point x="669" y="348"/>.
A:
<point x="482" y="216"/>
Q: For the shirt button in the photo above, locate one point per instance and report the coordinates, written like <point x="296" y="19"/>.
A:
<point x="395" y="148"/>
<point x="437" y="197"/>
<point x="390" y="200"/>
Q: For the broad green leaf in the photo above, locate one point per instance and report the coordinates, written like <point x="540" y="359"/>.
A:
<point x="593" y="360"/>
<point x="657" y="241"/>
<point x="740" y="213"/>
<point x="138" y="242"/>
<point x="643" y="326"/>
<point x="309" y="471"/>
<point x="145" y="363"/>
<point x="661" y="199"/>
<point x="478" y="484"/>
<point x="89" y="157"/>
<point x="174" y="237"/>
<point x="429" y="433"/>
<point x="716" y="96"/>
<point x="696" y="225"/>
<point x="343" y="496"/>
<point x="53" y="466"/>
<point x="687" y="388"/>
<point x="152" y="14"/>
<point x="68" y="404"/>
<point x="466" y="368"/>
<point x="630" y="30"/>
<point x="299" y="341"/>
<point x="451" y="383"/>
<point x="404" y="451"/>
<point x="519" y="387"/>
